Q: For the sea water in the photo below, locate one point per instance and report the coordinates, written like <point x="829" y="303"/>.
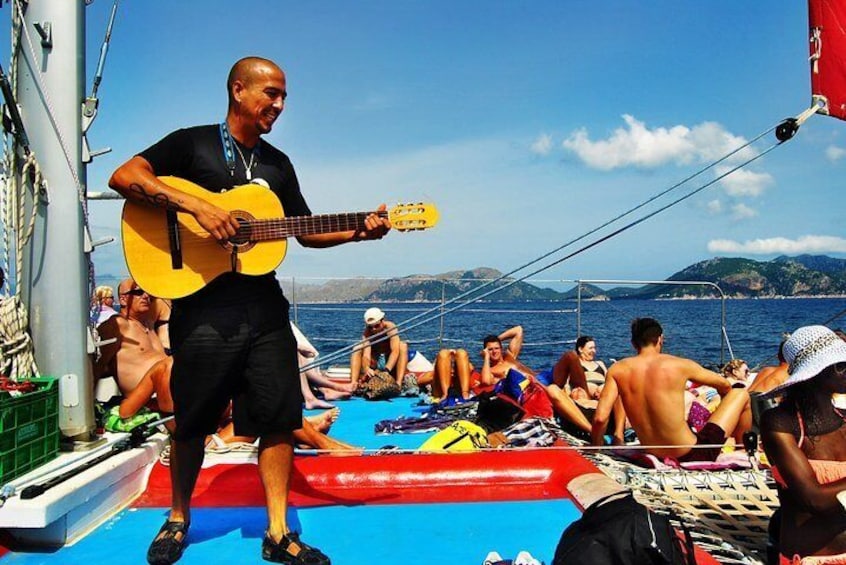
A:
<point x="692" y="328"/>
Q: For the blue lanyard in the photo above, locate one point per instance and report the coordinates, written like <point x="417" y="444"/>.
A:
<point x="228" y="151"/>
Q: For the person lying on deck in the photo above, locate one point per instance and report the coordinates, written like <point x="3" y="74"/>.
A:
<point x="737" y="372"/>
<point x="496" y="366"/>
<point x="313" y="378"/>
<point x="652" y="385"/>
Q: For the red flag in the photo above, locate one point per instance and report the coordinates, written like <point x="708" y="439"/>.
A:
<point x="827" y="19"/>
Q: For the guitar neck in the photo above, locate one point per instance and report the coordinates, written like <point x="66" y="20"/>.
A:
<point x="283" y="228"/>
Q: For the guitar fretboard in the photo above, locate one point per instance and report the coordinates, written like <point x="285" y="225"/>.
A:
<point x="281" y="228"/>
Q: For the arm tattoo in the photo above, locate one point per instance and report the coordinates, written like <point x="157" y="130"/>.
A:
<point x="158" y="199"/>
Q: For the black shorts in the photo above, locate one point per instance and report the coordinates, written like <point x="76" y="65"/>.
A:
<point x="246" y="353"/>
<point x="710" y="434"/>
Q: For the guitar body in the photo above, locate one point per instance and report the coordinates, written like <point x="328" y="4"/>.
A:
<point x="149" y="250"/>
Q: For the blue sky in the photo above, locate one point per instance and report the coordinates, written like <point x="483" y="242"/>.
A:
<point x="526" y="123"/>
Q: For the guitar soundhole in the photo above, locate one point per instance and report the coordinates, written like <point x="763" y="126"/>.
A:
<point x="243" y="240"/>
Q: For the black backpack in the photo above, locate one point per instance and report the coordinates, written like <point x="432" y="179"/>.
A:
<point x="618" y="530"/>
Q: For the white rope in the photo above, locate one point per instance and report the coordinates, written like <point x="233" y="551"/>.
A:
<point x="17" y="357"/>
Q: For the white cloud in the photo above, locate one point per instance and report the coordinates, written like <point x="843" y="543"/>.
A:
<point x="714" y="207"/>
<point x="638" y="146"/>
<point x="834" y="153"/>
<point x="542" y="145"/>
<point x="780" y="245"/>
<point x="743" y="182"/>
<point x="742" y="211"/>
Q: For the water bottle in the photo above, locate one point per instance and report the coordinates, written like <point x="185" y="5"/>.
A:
<point x="381" y="362"/>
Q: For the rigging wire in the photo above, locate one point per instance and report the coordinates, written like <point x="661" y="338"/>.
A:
<point x="407" y="324"/>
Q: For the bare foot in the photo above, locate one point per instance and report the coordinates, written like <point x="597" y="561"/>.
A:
<point x="315" y="402"/>
<point x="344" y="387"/>
<point x="341" y="448"/>
<point x="323" y="421"/>
<point x="330" y="394"/>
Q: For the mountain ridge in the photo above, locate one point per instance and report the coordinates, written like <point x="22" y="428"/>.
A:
<point x="738" y="277"/>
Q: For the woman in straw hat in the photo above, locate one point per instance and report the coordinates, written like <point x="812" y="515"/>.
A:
<point x="805" y="440"/>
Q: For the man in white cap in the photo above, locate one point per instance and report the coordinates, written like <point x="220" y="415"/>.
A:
<point x="381" y="340"/>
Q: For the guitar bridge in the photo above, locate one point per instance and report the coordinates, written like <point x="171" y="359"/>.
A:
<point x="174" y="240"/>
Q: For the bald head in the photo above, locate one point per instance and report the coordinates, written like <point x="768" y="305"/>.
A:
<point x="246" y="70"/>
<point x="125" y="286"/>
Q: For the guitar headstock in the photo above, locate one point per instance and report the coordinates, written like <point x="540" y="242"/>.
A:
<point x="416" y="216"/>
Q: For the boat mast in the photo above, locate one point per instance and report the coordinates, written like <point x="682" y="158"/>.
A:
<point x="50" y="91"/>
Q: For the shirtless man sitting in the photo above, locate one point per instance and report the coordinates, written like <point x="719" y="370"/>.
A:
<point x="496" y="365"/>
<point x="136" y="346"/>
<point x="380" y="337"/>
<point x="651" y="385"/>
<point x="770" y="377"/>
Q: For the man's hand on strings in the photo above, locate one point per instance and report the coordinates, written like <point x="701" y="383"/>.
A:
<point x="375" y="225"/>
<point x="217" y="221"/>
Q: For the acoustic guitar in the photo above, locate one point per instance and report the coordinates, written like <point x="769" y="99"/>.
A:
<point x="170" y="256"/>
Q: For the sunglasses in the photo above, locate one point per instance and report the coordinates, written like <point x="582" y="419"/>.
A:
<point x="135" y="292"/>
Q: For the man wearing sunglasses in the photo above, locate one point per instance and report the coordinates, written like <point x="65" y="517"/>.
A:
<point x="136" y="347"/>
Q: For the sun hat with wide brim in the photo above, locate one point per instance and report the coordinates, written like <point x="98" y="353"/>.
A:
<point x="809" y="351"/>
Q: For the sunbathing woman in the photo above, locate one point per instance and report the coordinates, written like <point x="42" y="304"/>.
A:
<point x="594" y="369"/>
<point x="736" y="371"/>
<point x="157" y="381"/>
<point x="805" y="441"/>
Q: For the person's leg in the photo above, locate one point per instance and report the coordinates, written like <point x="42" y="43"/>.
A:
<point x="355" y="368"/>
<point x="427" y="378"/>
<point x="323" y="421"/>
<point x="734" y="414"/>
<point x="566" y="408"/>
<point x="462" y="371"/>
<point x="443" y="374"/>
<point x="402" y="362"/>
<point x="308" y="435"/>
<point x="198" y="404"/>
<point x="311" y="401"/>
<point x="324" y="383"/>
<point x="275" y="459"/>
<point x="186" y="459"/>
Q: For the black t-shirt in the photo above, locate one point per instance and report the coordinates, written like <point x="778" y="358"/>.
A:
<point x="196" y="154"/>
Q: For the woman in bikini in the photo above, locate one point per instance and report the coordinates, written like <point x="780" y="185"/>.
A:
<point x="805" y="441"/>
<point x="594" y="369"/>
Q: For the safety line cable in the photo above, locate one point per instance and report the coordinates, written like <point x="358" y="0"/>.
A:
<point x="407" y="325"/>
